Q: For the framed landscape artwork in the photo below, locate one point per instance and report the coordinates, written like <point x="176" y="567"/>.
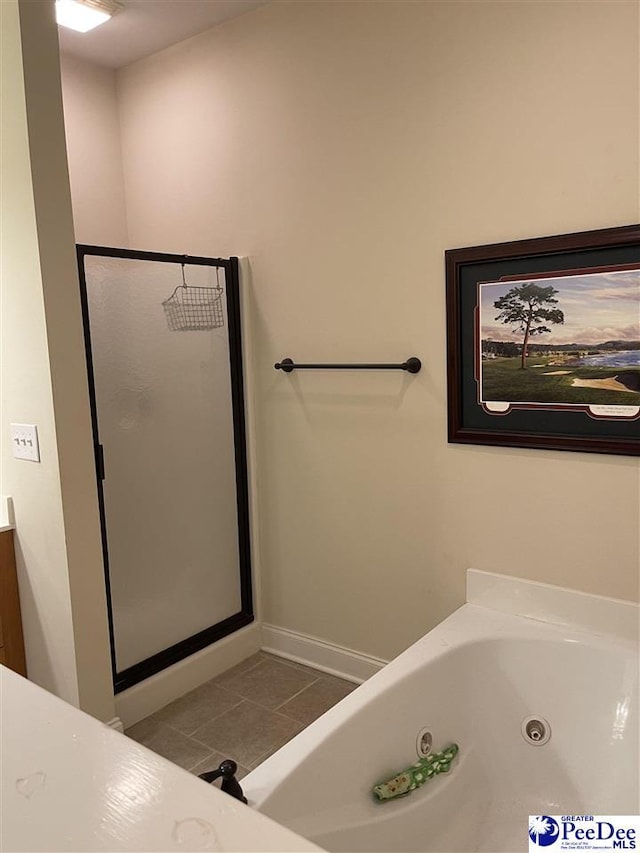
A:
<point x="544" y="342"/>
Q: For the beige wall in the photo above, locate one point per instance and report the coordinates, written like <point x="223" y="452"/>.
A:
<point x="343" y="147"/>
<point x="93" y="150"/>
<point x="43" y="377"/>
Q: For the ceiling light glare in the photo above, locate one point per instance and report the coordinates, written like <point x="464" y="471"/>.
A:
<point x="83" y="15"/>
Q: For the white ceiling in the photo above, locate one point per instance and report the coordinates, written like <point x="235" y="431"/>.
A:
<point x="146" y="26"/>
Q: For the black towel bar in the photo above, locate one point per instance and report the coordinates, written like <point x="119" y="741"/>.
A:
<point x="411" y="365"/>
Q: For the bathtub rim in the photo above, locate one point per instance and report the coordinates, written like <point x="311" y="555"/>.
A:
<point x="467" y="625"/>
<point x="598" y="615"/>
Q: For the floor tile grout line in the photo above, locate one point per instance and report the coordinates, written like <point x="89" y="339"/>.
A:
<point x="316" y="678"/>
<point x="160" y="720"/>
<point x="215" y="748"/>
<point x="195" y="742"/>
<point x="321" y="674"/>
<point x="189" y="737"/>
<point x="212" y="748"/>
<point x="277" y="710"/>
<point x="244" y="674"/>
<point x="292" y="719"/>
<point x="236" y="695"/>
<point x="232" y="694"/>
<point x="239" y="674"/>
<point x="284" y="702"/>
<point x="279" y="745"/>
<point x="241" y="699"/>
<point x="306" y="687"/>
<point x="292" y="664"/>
<point x="226" y="689"/>
<point x="193" y="766"/>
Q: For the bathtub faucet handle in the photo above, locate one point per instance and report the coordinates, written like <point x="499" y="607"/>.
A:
<point x="230" y="785"/>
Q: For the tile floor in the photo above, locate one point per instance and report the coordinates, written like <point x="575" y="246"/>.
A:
<point x="246" y="714"/>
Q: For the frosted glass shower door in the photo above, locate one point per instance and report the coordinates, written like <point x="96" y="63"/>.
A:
<point x="169" y="427"/>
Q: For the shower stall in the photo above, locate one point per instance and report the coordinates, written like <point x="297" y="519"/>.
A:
<point x="164" y="356"/>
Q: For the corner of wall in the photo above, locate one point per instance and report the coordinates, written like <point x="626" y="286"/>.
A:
<point x="44" y="378"/>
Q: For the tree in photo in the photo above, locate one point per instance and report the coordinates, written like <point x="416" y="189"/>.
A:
<point x="527" y="307"/>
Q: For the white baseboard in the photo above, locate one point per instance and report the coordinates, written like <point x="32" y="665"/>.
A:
<point x="116" y="724"/>
<point x="327" y="657"/>
<point x="153" y="693"/>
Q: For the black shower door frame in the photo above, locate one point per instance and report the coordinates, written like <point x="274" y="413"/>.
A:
<point x="177" y="652"/>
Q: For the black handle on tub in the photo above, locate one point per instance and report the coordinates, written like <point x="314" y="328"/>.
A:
<point x="230" y="785"/>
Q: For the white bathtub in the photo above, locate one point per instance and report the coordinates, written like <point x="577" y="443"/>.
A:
<point x="472" y="680"/>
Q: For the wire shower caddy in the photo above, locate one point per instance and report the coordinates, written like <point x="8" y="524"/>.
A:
<point x="194" y="309"/>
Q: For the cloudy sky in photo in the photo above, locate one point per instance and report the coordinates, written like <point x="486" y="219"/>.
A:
<point x="597" y="307"/>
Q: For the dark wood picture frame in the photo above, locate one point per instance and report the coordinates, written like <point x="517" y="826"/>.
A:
<point x="557" y="426"/>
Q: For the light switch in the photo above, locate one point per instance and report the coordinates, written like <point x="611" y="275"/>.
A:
<point x="24" y="441"/>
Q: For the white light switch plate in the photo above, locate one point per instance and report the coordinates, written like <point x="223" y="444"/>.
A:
<point x="24" y="441"/>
